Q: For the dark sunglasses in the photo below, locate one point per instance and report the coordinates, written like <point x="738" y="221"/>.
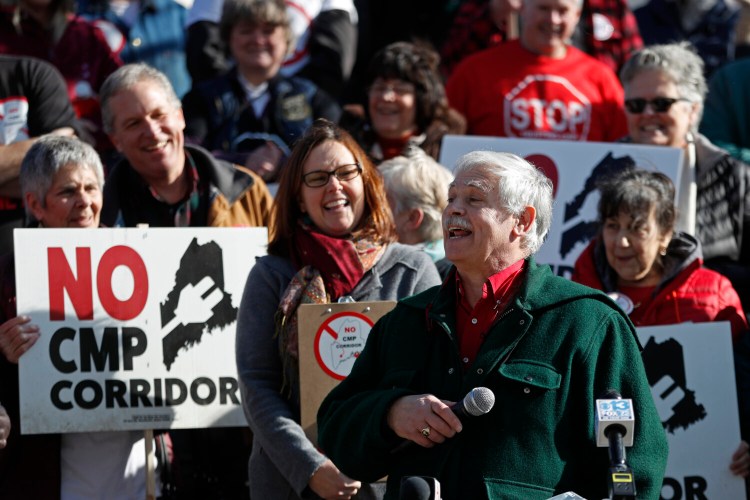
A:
<point x="658" y="104"/>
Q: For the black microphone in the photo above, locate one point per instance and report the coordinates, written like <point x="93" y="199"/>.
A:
<point x="615" y="422"/>
<point x="479" y="401"/>
<point x="419" y="488"/>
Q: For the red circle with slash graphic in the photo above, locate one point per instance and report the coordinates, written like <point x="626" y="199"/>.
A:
<point x="339" y="342"/>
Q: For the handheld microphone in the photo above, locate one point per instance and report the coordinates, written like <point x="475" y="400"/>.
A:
<point x="479" y="401"/>
<point x="614" y="429"/>
<point x="419" y="488"/>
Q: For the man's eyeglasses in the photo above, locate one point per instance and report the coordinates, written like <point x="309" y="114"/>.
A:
<point x="319" y="178"/>
<point x="658" y="104"/>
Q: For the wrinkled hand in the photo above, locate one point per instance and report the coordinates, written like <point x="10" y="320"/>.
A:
<point x="329" y="482"/>
<point x="409" y="415"/>
<point x="4" y="427"/>
<point x="265" y="160"/>
<point x="17" y="335"/>
<point x="740" y="465"/>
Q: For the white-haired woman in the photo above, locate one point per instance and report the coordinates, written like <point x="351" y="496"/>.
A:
<point x="417" y="190"/>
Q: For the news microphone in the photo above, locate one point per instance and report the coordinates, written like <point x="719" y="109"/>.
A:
<point x="614" y="429"/>
<point x="419" y="488"/>
<point x="479" y="401"/>
<point x="612" y="410"/>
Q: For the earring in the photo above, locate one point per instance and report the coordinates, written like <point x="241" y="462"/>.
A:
<point x="663" y="251"/>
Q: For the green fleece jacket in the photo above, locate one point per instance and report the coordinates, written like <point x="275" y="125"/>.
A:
<point x="565" y="345"/>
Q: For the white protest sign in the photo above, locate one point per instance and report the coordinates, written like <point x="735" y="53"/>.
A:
<point x="691" y="371"/>
<point x="137" y="326"/>
<point x="574" y="169"/>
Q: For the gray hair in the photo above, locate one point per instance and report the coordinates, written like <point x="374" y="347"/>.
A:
<point x="128" y="76"/>
<point x="47" y="156"/>
<point x="519" y="184"/>
<point x="418" y="181"/>
<point x="677" y="61"/>
<point x="255" y="12"/>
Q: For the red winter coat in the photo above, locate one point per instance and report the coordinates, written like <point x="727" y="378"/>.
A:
<point x="688" y="292"/>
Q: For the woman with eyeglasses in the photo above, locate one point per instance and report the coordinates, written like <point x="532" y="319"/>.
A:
<point x="332" y="236"/>
<point x="405" y="105"/>
<point x="664" y="93"/>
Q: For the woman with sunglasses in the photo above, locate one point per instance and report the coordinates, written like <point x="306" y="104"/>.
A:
<point x="332" y="236"/>
<point x="664" y="92"/>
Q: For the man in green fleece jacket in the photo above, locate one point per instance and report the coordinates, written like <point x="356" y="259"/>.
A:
<point x="545" y="346"/>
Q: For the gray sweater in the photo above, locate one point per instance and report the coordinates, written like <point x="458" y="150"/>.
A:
<point x="283" y="459"/>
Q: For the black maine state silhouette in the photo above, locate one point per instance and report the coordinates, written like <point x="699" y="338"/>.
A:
<point x="667" y="358"/>
<point x="585" y="230"/>
<point x="197" y="263"/>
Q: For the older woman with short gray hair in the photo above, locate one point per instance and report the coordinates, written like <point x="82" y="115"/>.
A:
<point x="664" y="92"/>
<point x="61" y="181"/>
<point x="49" y="156"/>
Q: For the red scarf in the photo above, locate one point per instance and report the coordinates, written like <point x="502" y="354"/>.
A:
<point x="336" y="260"/>
<point x="392" y="147"/>
<point x="327" y="268"/>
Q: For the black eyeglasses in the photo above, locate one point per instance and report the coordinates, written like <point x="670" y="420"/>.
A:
<point x="320" y="178"/>
<point x="658" y="104"/>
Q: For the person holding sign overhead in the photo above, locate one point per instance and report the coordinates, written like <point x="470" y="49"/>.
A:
<point x="332" y="236"/>
<point x="61" y="183"/>
<point x="652" y="272"/>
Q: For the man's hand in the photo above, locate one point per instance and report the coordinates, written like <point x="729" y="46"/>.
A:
<point x="265" y="160"/>
<point x="740" y="465"/>
<point x="424" y="419"/>
<point x="4" y="427"/>
<point x="17" y="336"/>
<point x="329" y="482"/>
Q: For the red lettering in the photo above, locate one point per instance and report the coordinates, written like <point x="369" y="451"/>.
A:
<point x="122" y="310"/>
<point x="61" y="278"/>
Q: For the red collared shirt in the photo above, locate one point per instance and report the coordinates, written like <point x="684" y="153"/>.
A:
<point x="472" y="324"/>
